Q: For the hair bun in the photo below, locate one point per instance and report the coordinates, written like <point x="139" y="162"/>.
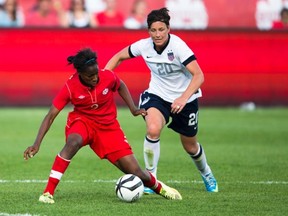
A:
<point x="70" y="59"/>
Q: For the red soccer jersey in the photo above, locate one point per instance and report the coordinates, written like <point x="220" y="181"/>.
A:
<point x="105" y="21"/>
<point x="34" y="19"/>
<point x="279" y="25"/>
<point x="96" y="103"/>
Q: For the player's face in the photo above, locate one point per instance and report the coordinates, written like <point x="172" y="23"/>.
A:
<point x="285" y="17"/>
<point x="159" y="33"/>
<point x="90" y="76"/>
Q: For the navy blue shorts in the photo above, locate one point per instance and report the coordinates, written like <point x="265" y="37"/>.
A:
<point x="185" y="122"/>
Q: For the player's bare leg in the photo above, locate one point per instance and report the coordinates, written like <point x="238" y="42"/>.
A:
<point x="196" y="152"/>
<point x="60" y="165"/>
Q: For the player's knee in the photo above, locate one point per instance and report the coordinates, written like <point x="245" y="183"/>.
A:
<point x="73" y="145"/>
<point x="153" y="132"/>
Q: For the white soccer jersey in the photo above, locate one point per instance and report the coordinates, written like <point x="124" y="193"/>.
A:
<point x="169" y="76"/>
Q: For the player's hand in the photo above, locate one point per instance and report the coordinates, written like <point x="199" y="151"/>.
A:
<point x="30" y="152"/>
<point x="178" y="105"/>
<point x="141" y="112"/>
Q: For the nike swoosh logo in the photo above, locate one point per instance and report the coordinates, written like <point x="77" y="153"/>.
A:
<point x="145" y="101"/>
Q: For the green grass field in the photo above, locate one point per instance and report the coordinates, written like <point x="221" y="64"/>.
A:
<point x="246" y="150"/>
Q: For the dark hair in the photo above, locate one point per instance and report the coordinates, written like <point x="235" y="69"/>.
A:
<point x="14" y="12"/>
<point x="83" y="59"/>
<point x="161" y="15"/>
<point x="284" y="10"/>
<point x="72" y="5"/>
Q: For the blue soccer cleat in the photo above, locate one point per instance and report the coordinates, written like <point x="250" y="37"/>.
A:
<point x="148" y="191"/>
<point x="210" y="182"/>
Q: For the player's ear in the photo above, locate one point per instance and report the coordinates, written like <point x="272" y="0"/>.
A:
<point x="168" y="27"/>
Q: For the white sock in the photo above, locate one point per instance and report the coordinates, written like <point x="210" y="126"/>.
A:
<point x="200" y="161"/>
<point x="151" y="154"/>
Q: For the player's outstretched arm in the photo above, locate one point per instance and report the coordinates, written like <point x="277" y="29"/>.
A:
<point x="117" y="59"/>
<point x="44" y="127"/>
<point x="126" y="96"/>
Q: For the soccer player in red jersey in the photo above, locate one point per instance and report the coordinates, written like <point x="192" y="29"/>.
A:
<point x="93" y="122"/>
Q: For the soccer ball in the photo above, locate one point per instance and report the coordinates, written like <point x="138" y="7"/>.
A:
<point x="129" y="188"/>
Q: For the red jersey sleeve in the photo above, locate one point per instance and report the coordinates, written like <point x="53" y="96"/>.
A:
<point x="62" y="98"/>
<point x="116" y="83"/>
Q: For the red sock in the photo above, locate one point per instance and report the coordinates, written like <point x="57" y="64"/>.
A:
<point x="58" y="169"/>
<point x="153" y="184"/>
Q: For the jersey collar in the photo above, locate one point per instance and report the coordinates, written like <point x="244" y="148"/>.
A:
<point x="164" y="47"/>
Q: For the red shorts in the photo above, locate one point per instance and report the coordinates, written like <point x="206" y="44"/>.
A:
<point x="107" y="141"/>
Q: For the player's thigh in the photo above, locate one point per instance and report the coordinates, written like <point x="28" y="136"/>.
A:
<point x="75" y="130"/>
<point x="158" y="110"/>
<point x="155" y="118"/>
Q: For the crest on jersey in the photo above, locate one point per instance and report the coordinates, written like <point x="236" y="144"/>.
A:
<point x="105" y="91"/>
<point x="170" y="55"/>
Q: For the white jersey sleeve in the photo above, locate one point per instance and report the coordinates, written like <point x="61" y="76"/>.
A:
<point x="169" y="76"/>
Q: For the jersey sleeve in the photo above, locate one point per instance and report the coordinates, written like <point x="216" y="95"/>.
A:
<point x="135" y="48"/>
<point x="62" y="98"/>
<point x="185" y="54"/>
<point x="117" y="82"/>
<point x="113" y="79"/>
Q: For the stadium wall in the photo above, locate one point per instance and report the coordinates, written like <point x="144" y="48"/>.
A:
<point x="239" y="65"/>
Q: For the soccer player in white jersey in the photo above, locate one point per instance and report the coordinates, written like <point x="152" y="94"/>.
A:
<point x="173" y="92"/>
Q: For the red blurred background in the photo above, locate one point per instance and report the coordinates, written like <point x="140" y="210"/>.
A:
<point x="222" y="13"/>
<point x="239" y="65"/>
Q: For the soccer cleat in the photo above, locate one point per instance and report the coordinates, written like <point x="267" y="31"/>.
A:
<point x="46" y="198"/>
<point x="148" y="191"/>
<point x="210" y="182"/>
<point x="169" y="193"/>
